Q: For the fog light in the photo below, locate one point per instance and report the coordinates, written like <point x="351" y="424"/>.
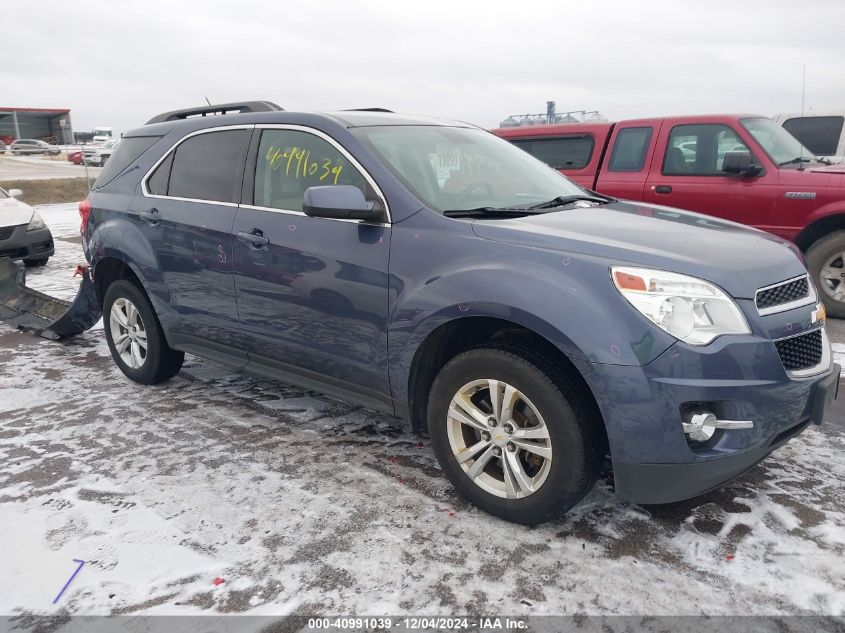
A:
<point x="702" y="426"/>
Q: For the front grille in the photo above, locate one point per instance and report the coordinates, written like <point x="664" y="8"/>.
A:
<point x="801" y="352"/>
<point x="784" y="293"/>
<point x="6" y="232"/>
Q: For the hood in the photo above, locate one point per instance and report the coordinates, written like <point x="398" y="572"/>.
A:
<point x="837" y="168"/>
<point x="737" y="258"/>
<point x="14" y="212"/>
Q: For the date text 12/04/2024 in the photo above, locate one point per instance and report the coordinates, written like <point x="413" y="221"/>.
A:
<point x="419" y="623"/>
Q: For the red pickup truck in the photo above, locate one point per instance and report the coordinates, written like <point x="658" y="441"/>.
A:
<point x="743" y="168"/>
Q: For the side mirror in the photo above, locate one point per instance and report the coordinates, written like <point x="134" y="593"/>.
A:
<point x="343" y="202"/>
<point x="15" y="193"/>
<point x="740" y="164"/>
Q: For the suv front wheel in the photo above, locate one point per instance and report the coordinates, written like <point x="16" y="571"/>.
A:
<point x="513" y="433"/>
<point x="135" y="338"/>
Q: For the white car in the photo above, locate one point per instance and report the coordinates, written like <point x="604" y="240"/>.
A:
<point x="97" y="155"/>
<point x="23" y="234"/>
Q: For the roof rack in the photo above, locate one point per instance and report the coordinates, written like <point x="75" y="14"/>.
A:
<point x="214" y="110"/>
<point x="368" y="110"/>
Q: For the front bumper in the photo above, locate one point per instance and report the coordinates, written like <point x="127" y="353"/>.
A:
<point x="30" y="245"/>
<point x="736" y="378"/>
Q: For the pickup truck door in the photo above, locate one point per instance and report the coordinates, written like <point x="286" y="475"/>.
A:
<point x="686" y="173"/>
<point x="312" y="293"/>
<point x="625" y="169"/>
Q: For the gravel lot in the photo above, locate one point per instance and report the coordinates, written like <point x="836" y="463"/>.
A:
<point x="301" y="504"/>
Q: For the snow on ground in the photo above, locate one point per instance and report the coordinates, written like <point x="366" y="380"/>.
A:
<point x="302" y="504"/>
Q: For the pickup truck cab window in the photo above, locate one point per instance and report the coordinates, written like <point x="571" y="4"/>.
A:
<point x="630" y="148"/>
<point x="566" y="152"/>
<point x="452" y="168"/>
<point x="291" y="161"/>
<point x="699" y="150"/>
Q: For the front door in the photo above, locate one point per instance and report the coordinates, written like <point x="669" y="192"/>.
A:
<point x="690" y="175"/>
<point x="312" y="292"/>
<point x="187" y="212"/>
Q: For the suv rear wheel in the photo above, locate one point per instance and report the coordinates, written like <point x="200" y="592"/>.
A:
<point x="513" y="434"/>
<point x="135" y="338"/>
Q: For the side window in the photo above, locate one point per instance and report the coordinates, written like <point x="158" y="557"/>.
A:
<point x="629" y="149"/>
<point x="820" y="134"/>
<point x="699" y="150"/>
<point x="290" y="161"/>
<point x="157" y="184"/>
<point x="208" y="166"/>
<point x="567" y="152"/>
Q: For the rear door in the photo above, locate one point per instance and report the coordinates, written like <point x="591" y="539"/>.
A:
<point x="627" y="161"/>
<point x="312" y="292"/>
<point x="187" y="212"/>
<point x="686" y="173"/>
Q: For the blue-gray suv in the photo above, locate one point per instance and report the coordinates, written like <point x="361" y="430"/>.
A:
<point x="433" y="271"/>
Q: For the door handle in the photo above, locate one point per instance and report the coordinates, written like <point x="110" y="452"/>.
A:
<point x="152" y="216"/>
<point x="254" y="239"/>
<point x="663" y="189"/>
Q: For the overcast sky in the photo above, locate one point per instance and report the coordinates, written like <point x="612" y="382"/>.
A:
<point x="120" y="62"/>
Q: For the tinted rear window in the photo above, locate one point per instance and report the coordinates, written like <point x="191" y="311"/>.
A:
<point x="126" y="153"/>
<point x="209" y="166"/>
<point x="567" y="152"/>
<point x="629" y="150"/>
<point x="819" y="134"/>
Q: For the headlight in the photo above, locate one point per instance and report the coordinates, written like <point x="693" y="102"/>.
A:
<point x="35" y="223"/>
<point x="690" y="309"/>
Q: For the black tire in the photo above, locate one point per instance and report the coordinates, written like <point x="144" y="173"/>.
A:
<point x="161" y="362"/>
<point x="571" y="420"/>
<point x="817" y="256"/>
<point x="34" y="263"/>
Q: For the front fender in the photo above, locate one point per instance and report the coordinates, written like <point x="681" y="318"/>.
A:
<point x="568" y="300"/>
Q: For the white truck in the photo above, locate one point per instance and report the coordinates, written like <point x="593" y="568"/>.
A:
<point x="106" y="134"/>
<point x="823" y="133"/>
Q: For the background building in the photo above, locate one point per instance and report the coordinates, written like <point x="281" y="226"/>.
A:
<point x="52" y="125"/>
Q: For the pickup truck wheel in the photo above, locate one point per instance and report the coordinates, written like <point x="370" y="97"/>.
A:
<point x="35" y="263"/>
<point x="512" y="434"/>
<point x="135" y="338"/>
<point x="826" y="261"/>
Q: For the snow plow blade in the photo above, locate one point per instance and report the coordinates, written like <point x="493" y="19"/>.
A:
<point x="33" y="311"/>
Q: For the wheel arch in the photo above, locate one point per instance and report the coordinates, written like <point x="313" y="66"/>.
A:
<point x="818" y="228"/>
<point x="457" y="335"/>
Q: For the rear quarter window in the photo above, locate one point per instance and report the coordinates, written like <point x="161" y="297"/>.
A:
<point x="126" y="153"/>
<point x="566" y="152"/>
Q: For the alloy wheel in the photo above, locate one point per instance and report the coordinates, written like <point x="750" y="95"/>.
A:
<point x="128" y="333"/>
<point x="499" y="438"/>
<point x="832" y="277"/>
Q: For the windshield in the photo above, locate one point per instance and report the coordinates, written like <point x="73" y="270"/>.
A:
<point x="780" y="145"/>
<point x="451" y="168"/>
<point x="102" y="132"/>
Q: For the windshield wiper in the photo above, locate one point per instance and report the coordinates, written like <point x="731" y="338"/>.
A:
<point x="561" y="201"/>
<point x="797" y="159"/>
<point x="493" y="212"/>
